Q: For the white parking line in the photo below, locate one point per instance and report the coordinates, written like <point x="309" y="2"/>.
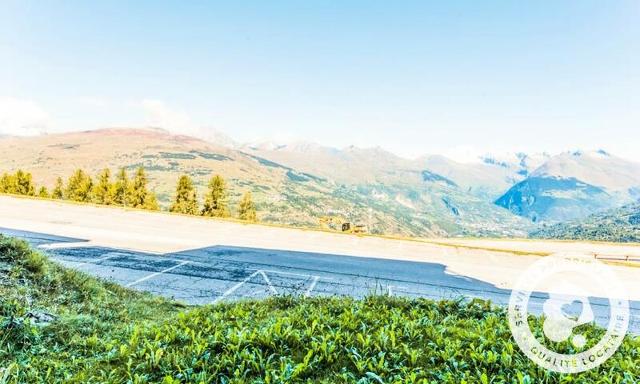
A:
<point x="234" y="288"/>
<point x="111" y="256"/>
<point x="312" y="286"/>
<point x="80" y="244"/>
<point x="293" y="274"/>
<point x="390" y="289"/>
<point x="272" y="288"/>
<point x="156" y="274"/>
<point x="284" y="273"/>
<point x="266" y="278"/>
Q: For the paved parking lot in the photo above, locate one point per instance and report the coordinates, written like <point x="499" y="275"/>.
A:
<point x="213" y="274"/>
<point x="202" y="261"/>
<point x="208" y="275"/>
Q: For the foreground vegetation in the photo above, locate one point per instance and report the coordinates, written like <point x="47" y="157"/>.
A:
<point x="58" y="325"/>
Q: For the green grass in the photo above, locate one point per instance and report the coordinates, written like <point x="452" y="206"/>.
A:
<point x="106" y="333"/>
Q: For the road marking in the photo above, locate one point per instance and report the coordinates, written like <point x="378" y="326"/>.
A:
<point x="156" y="274"/>
<point x="390" y="289"/>
<point x="293" y="274"/>
<point x="312" y="286"/>
<point x="83" y="244"/>
<point x="266" y="278"/>
<point x="235" y="287"/>
<point x="285" y="273"/>
<point x="94" y="261"/>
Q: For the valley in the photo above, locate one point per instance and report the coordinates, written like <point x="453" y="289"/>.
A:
<point x="308" y="185"/>
<point x="397" y="200"/>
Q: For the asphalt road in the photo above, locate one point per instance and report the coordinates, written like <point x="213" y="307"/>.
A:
<point x="208" y="275"/>
<point x="201" y="261"/>
<point x="213" y="274"/>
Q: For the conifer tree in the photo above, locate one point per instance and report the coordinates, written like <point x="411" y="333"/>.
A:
<point x="215" y="200"/>
<point x="185" y="200"/>
<point x="151" y="202"/>
<point x="247" y="208"/>
<point x="43" y="192"/>
<point x="79" y="187"/>
<point x="58" y="190"/>
<point x="103" y="191"/>
<point x="23" y="184"/>
<point x="7" y="183"/>
<point x="121" y="189"/>
<point x="140" y="197"/>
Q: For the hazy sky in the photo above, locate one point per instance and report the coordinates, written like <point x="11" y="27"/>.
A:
<point x="411" y="76"/>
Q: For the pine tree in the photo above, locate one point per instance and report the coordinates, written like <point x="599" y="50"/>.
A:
<point x="23" y="184"/>
<point x="8" y="183"/>
<point x="79" y="187"/>
<point x="103" y="191"/>
<point x="121" y="189"/>
<point x="58" y="190"/>
<point x="215" y="200"/>
<point x="186" y="200"/>
<point x="247" y="208"/>
<point x="43" y="192"/>
<point x="140" y="197"/>
<point x="151" y="202"/>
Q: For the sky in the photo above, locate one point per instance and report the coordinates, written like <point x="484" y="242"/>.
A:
<point x="414" y="77"/>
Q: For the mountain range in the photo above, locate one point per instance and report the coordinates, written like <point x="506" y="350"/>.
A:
<point x="487" y="179"/>
<point x="379" y="193"/>
<point x="573" y="185"/>
<point x="301" y="183"/>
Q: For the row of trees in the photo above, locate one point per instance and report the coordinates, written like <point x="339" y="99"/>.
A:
<point x="131" y="192"/>
<point x="215" y="200"/>
<point x="81" y="187"/>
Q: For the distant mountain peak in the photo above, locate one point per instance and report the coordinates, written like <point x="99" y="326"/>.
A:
<point x="219" y="138"/>
<point x="574" y="184"/>
<point x="265" y="146"/>
<point x="493" y="161"/>
<point x="581" y="153"/>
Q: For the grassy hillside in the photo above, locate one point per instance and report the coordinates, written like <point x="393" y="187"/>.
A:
<point x="58" y="325"/>
<point x="618" y="225"/>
